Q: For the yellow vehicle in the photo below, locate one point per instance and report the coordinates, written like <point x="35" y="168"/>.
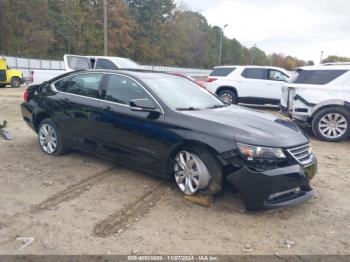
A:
<point x="9" y="76"/>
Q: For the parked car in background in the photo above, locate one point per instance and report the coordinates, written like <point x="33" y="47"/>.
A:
<point x="319" y="96"/>
<point x="9" y="76"/>
<point x="76" y="62"/>
<point x="168" y="126"/>
<point x="201" y="83"/>
<point x="248" y="84"/>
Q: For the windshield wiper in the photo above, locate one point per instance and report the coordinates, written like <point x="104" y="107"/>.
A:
<point x="191" y="108"/>
<point x="217" y="106"/>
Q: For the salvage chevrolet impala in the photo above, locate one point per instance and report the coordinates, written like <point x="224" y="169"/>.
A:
<point x="168" y="126"/>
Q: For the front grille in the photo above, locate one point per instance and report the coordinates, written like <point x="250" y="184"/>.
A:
<point x="302" y="154"/>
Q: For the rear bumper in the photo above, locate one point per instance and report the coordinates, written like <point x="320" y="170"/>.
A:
<point x="27" y="115"/>
<point x="274" y="188"/>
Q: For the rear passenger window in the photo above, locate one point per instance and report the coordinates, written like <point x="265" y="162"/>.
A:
<point x="62" y="84"/>
<point x="222" y="71"/>
<point x="255" y="73"/>
<point x="122" y="90"/>
<point x="317" y="77"/>
<point x="105" y="64"/>
<point x="84" y="85"/>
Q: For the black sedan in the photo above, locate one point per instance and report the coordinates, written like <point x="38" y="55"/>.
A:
<point x="168" y="126"/>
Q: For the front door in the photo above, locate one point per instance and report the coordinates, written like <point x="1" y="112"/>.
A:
<point x="133" y="137"/>
<point x="257" y="87"/>
<point x="3" y="67"/>
<point x="276" y="82"/>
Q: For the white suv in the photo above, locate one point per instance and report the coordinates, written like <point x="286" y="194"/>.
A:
<point x="248" y="84"/>
<point x="319" y="96"/>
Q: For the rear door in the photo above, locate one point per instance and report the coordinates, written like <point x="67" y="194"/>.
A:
<point x="76" y="62"/>
<point x="79" y="102"/>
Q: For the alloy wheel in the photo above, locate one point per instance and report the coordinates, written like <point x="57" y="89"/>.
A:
<point x="226" y="98"/>
<point x="48" y="138"/>
<point x="333" y="125"/>
<point x="190" y="172"/>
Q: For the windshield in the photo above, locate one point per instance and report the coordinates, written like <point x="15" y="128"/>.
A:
<point x="182" y="94"/>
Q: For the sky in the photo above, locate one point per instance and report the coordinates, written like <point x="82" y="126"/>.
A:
<point x="301" y="28"/>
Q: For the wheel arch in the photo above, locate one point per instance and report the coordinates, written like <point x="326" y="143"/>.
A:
<point x="225" y="87"/>
<point x="328" y="104"/>
<point x="185" y="144"/>
<point x="190" y="143"/>
<point x="38" y="119"/>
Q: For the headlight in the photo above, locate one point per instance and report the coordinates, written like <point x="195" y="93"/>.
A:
<point x="251" y="152"/>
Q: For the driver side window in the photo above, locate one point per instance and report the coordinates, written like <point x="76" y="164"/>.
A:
<point x="275" y="75"/>
<point x="122" y="90"/>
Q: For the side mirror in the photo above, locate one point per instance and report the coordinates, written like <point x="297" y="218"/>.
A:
<point x="145" y="105"/>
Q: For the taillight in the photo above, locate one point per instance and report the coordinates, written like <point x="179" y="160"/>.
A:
<point x="211" y="79"/>
<point x="26" y="96"/>
<point x="201" y="83"/>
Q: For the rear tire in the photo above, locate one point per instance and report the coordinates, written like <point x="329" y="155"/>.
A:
<point x="49" y="138"/>
<point x="228" y="96"/>
<point x="332" y="124"/>
<point x="199" y="169"/>
<point x="15" y="82"/>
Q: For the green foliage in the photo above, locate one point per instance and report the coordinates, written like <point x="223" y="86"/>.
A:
<point x="149" y="31"/>
<point x="334" y="58"/>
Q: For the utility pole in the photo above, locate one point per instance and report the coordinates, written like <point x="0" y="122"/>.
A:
<point x="221" y="36"/>
<point x="105" y="40"/>
<point x="321" y="57"/>
<point x="252" y="54"/>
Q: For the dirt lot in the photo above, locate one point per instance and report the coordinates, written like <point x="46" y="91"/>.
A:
<point x="79" y="204"/>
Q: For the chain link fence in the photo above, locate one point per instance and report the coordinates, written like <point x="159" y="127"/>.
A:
<point x="27" y="64"/>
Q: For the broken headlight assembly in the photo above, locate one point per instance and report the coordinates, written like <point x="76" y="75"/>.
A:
<point x="251" y="152"/>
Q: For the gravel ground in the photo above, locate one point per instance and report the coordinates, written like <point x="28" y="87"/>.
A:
<point x="79" y="204"/>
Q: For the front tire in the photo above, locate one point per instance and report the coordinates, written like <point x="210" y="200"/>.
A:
<point x="49" y="138"/>
<point x="196" y="170"/>
<point x="332" y="124"/>
<point x="228" y="96"/>
<point x="15" y="82"/>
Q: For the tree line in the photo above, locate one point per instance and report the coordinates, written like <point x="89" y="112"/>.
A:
<point x="148" y="31"/>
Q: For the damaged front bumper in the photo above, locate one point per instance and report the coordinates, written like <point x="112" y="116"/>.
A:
<point x="274" y="188"/>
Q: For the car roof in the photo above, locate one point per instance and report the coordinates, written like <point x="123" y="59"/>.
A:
<point x="336" y="63"/>
<point x="247" y="66"/>
<point x="326" y="67"/>
<point x="254" y="66"/>
<point x="141" y="73"/>
<point x="250" y="66"/>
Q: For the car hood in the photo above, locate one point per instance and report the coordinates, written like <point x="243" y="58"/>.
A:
<point x="248" y="126"/>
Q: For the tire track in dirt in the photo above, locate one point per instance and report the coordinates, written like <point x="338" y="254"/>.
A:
<point x="122" y="219"/>
<point x="67" y="194"/>
<point x="71" y="192"/>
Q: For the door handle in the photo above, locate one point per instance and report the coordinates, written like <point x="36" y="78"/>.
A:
<point x="108" y="108"/>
